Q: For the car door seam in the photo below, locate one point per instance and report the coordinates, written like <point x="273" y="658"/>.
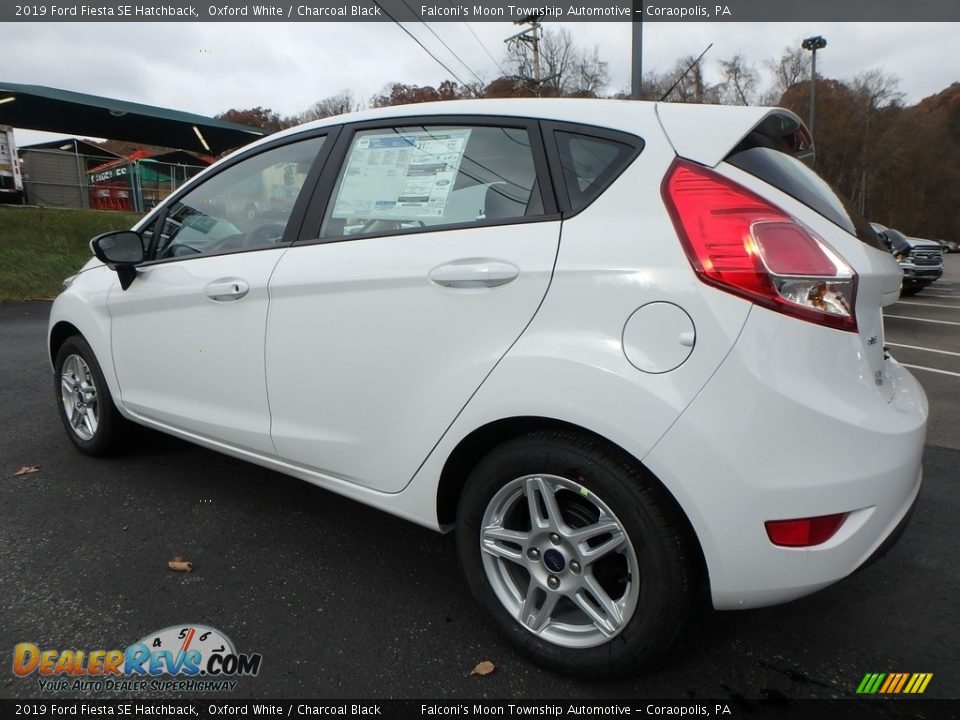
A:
<point x="266" y="331"/>
<point x="543" y="298"/>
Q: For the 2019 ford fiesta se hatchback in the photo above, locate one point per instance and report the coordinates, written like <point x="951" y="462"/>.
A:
<point x="627" y="352"/>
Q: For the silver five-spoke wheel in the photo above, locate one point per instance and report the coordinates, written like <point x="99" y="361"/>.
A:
<point x="559" y="560"/>
<point x="576" y="551"/>
<point x="78" y="392"/>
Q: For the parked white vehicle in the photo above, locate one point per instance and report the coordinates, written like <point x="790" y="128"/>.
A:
<point x="629" y="352"/>
<point x="11" y="181"/>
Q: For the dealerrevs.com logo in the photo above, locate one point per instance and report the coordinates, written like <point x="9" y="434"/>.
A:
<point x="184" y="658"/>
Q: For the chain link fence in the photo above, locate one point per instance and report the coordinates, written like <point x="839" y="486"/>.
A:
<point x="57" y="178"/>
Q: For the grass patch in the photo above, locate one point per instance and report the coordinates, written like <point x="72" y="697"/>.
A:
<point x="39" y="247"/>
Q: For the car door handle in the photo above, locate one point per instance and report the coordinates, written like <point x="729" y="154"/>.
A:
<point x="227" y="289"/>
<point x="474" y="273"/>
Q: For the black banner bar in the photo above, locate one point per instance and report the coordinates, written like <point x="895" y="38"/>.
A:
<point x="479" y="11"/>
<point x="780" y="708"/>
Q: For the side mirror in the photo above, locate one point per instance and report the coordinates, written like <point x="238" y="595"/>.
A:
<point x="122" y="250"/>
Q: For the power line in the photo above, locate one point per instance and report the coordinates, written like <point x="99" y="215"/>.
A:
<point x="417" y="41"/>
<point x="477" y="38"/>
<point x="449" y="49"/>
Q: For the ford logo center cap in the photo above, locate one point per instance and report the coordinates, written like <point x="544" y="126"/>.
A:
<point x="554" y="561"/>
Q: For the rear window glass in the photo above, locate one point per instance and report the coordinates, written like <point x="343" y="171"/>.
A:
<point x="788" y="174"/>
<point x="590" y="164"/>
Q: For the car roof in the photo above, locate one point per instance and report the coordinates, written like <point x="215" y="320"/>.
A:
<point x="705" y="133"/>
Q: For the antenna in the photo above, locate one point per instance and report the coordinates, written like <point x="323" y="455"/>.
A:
<point x="699" y="58"/>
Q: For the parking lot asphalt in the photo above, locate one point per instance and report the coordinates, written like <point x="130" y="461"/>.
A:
<point x="923" y="332"/>
<point x="345" y="601"/>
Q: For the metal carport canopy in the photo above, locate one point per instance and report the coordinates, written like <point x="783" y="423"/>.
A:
<point x="35" y="107"/>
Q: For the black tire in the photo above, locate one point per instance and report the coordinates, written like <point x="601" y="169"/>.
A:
<point x="109" y="431"/>
<point x="661" y="548"/>
<point x="908" y="290"/>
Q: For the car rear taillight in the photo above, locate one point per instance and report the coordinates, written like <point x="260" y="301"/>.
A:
<point x="745" y="245"/>
<point x="804" y="532"/>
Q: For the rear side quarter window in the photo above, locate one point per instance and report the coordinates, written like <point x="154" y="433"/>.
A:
<point x="590" y="163"/>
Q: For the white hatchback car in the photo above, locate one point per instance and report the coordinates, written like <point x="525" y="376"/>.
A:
<point x="630" y="352"/>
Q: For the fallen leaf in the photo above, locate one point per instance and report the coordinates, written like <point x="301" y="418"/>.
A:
<point x="483" y="668"/>
<point x="27" y="470"/>
<point x="179" y="564"/>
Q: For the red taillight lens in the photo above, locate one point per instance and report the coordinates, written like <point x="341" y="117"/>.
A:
<point x="743" y="244"/>
<point x="804" y="532"/>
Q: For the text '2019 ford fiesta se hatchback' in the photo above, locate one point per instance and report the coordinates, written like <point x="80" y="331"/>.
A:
<point x="626" y="351"/>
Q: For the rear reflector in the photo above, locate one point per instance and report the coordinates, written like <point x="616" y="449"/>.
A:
<point x="804" y="532"/>
<point x="739" y="242"/>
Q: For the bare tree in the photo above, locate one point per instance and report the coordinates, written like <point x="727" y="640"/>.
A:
<point x="258" y="117"/>
<point x="791" y="67"/>
<point x="403" y="94"/>
<point x="740" y="81"/>
<point x="877" y="90"/>
<point x="688" y="83"/>
<point x="337" y="104"/>
<point x="565" y="69"/>
<point x="590" y="74"/>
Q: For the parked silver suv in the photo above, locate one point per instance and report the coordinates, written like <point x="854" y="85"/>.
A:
<point x="921" y="260"/>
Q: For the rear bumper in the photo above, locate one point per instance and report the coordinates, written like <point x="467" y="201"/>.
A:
<point x="793" y="426"/>
<point x="893" y="538"/>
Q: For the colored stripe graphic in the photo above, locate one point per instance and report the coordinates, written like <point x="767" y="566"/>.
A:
<point x="894" y="683"/>
<point x="891" y="680"/>
<point x="903" y="681"/>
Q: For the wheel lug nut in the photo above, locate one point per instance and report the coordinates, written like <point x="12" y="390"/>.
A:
<point x="554" y="538"/>
<point x="533" y="554"/>
<point x="553" y="582"/>
<point x="574" y="566"/>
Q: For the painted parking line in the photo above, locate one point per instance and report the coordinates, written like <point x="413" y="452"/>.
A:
<point x="945" y="297"/>
<point x="925" y="349"/>
<point x="950" y="307"/>
<point x="927" y="320"/>
<point x="933" y="370"/>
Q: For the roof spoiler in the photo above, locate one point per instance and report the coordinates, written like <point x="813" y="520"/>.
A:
<point x="709" y="133"/>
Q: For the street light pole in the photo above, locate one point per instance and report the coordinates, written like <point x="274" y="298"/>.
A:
<point x="817" y="42"/>
<point x="636" y="52"/>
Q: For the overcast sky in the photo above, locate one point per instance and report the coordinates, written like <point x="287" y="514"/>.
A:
<point x="207" y="68"/>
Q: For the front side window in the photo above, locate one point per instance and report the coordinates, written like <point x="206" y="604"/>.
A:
<point x="407" y="178"/>
<point x="244" y="207"/>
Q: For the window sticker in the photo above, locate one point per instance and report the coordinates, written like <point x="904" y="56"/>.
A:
<point x="401" y="176"/>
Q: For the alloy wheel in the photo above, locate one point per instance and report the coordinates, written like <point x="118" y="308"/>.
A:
<point x="559" y="561"/>
<point x="78" y="393"/>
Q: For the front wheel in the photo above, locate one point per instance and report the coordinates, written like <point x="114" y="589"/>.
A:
<point x="83" y="399"/>
<point x="576" y="552"/>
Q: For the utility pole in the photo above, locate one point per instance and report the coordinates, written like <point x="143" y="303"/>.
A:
<point x="531" y="37"/>
<point x="636" y="52"/>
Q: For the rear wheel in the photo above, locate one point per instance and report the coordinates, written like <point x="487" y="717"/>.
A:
<point x="83" y="399"/>
<point x="577" y="553"/>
